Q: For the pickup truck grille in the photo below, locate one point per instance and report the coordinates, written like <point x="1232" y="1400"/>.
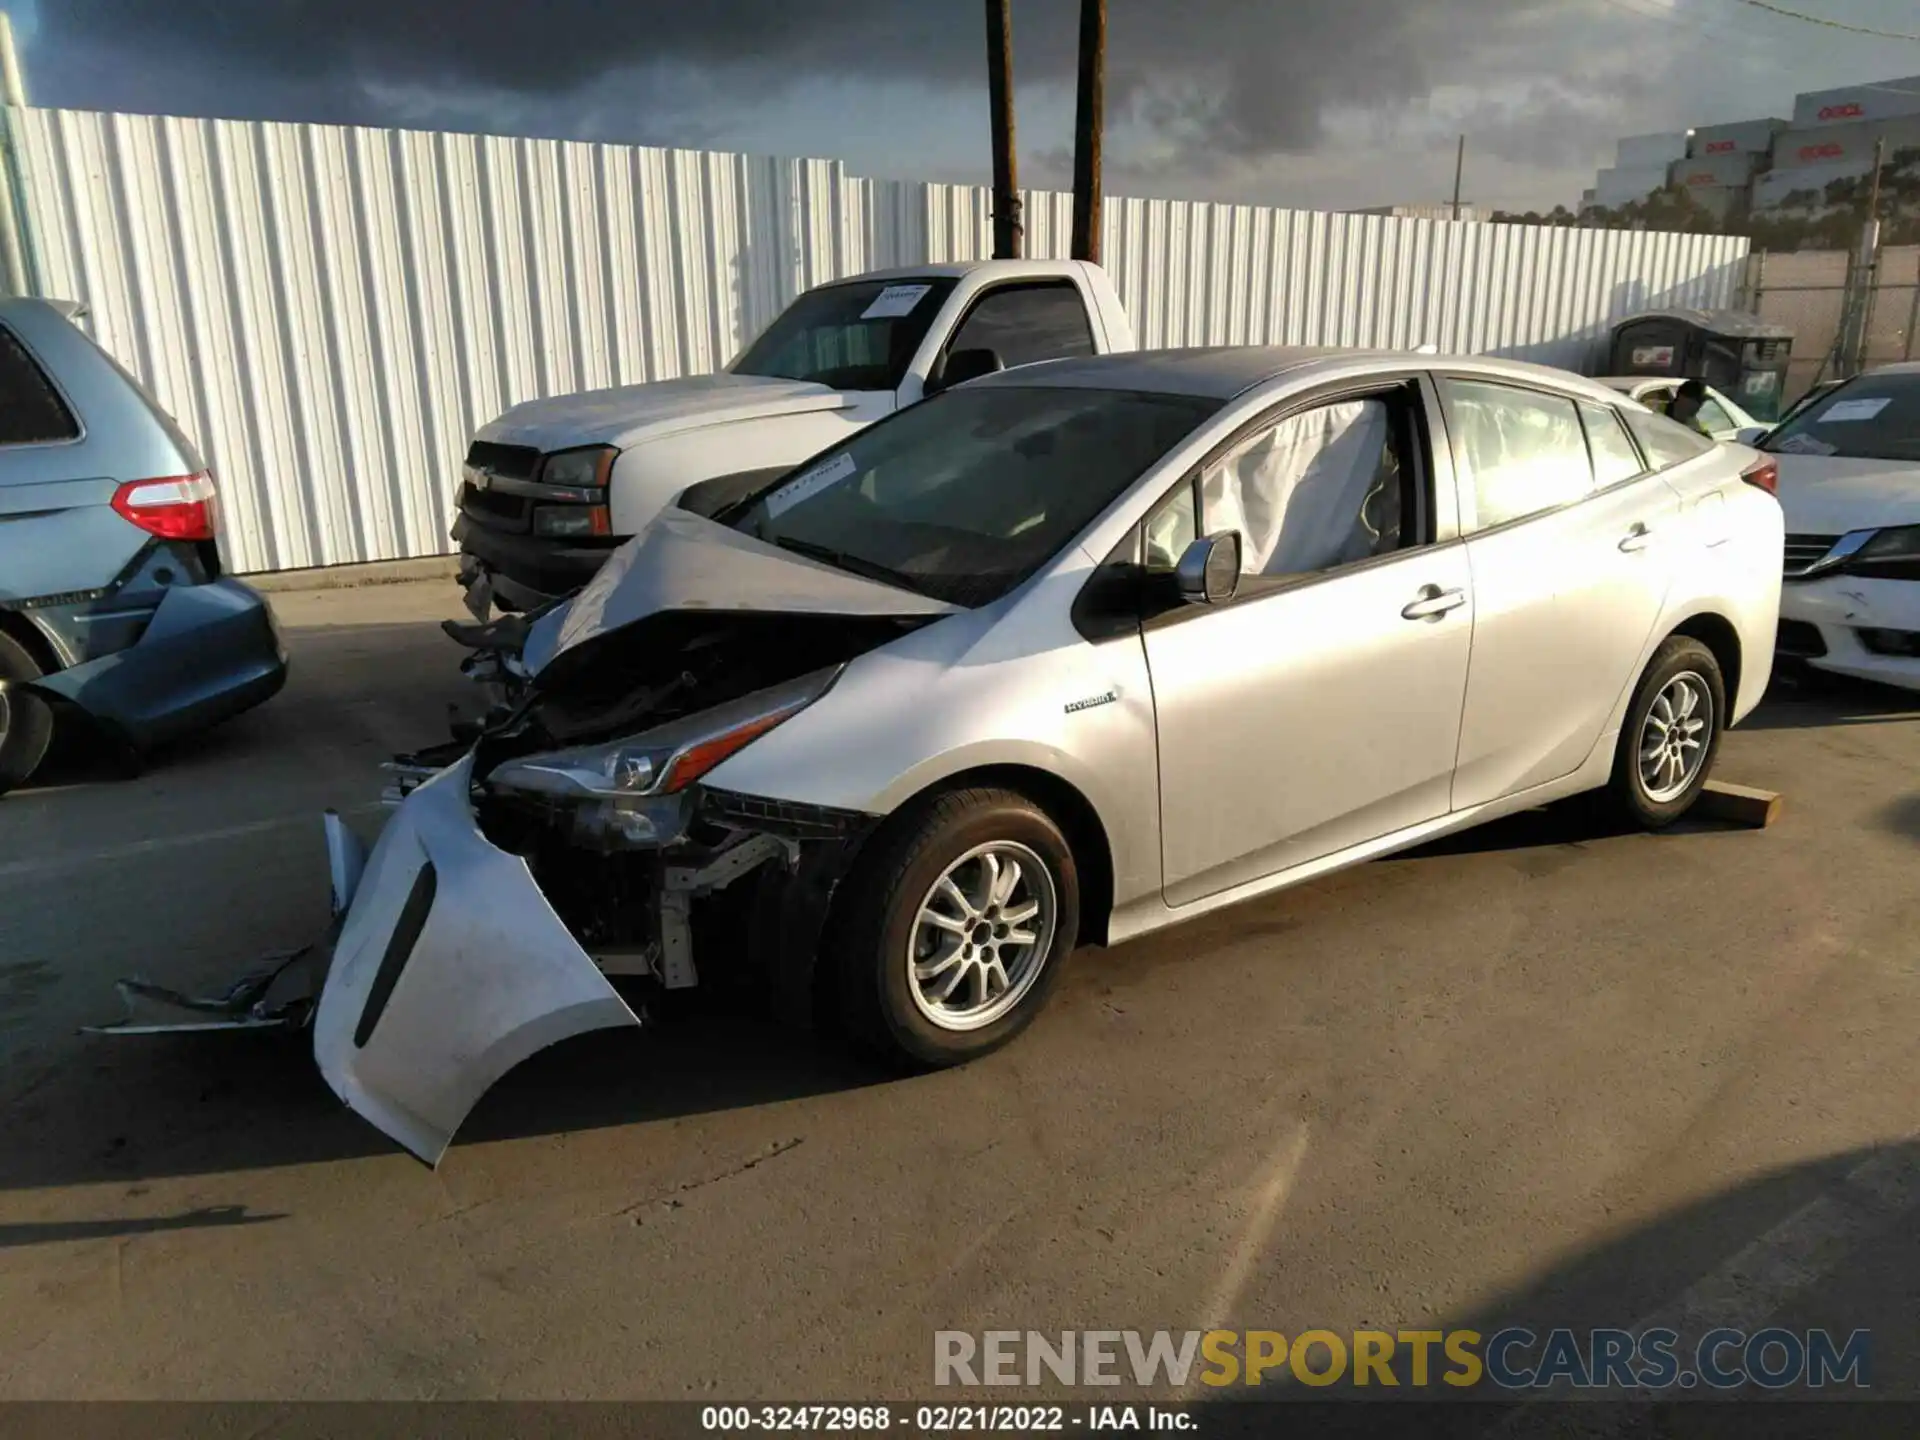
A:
<point x="1804" y="550"/>
<point x="496" y="509"/>
<point x="493" y="508"/>
<point x="511" y="462"/>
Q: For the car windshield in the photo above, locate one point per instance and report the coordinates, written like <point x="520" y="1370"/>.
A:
<point x="963" y="496"/>
<point x="1872" y="417"/>
<point x="852" y="337"/>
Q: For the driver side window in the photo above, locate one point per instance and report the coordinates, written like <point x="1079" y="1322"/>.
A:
<point x="1324" y="487"/>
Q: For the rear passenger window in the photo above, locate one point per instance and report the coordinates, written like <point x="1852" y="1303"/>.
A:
<point x="1517" y="452"/>
<point x="1614" y="458"/>
<point x="31" y="410"/>
<point x="1667" y="442"/>
<point x="1025" y="323"/>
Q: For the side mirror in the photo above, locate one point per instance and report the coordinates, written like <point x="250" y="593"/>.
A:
<point x="1753" y="434"/>
<point x="965" y="365"/>
<point x="1209" y="570"/>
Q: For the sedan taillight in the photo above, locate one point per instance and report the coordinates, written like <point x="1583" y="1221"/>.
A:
<point x="1764" y="473"/>
<point x="178" y="507"/>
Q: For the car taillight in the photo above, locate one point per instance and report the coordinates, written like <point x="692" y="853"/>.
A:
<point x="178" y="507"/>
<point x="1765" y="473"/>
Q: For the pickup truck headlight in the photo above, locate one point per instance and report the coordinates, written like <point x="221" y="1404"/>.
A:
<point x="629" y="789"/>
<point x="588" y="467"/>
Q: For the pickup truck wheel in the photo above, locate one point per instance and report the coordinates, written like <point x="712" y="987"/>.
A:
<point x="1671" y="735"/>
<point x="26" y="720"/>
<point x="955" y="929"/>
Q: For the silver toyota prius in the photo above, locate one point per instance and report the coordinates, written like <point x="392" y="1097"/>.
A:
<point x="1059" y="657"/>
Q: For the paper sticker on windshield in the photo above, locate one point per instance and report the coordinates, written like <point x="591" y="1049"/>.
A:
<point x="894" y="301"/>
<point x="1843" y="410"/>
<point x="810" y="484"/>
<point x="1804" y="445"/>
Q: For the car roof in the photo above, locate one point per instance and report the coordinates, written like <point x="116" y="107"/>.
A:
<point x="954" y="270"/>
<point x="1225" y="371"/>
<point x="1900" y="367"/>
<point x="1631" y="382"/>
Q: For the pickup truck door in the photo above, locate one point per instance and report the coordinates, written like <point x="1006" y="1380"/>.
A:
<point x="1021" y="321"/>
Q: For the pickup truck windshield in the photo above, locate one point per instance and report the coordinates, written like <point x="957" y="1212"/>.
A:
<point x="1872" y="417"/>
<point x="852" y="337"/>
<point x="965" y="495"/>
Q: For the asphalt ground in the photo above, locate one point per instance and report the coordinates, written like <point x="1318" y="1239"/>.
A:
<point x="1543" y="1072"/>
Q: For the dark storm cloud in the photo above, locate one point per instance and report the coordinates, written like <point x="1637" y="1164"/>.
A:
<point x="1216" y="77"/>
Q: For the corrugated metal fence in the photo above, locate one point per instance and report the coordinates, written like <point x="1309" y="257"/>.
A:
<point x="331" y="312"/>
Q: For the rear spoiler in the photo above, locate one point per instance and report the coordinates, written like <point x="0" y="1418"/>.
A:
<point x="70" y="309"/>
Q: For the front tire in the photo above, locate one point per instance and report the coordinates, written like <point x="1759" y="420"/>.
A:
<point x="1671" y="734"/>
<point x="26" y="719"/>
<point x="956" y="926"/>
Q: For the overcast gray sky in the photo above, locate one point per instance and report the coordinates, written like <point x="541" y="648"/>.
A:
<point x="1313" y="103"/>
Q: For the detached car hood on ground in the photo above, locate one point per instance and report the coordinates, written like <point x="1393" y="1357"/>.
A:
<point x="1830" y="495"/>
<point x="684" y="562"/>
<point x="632" y="413"/>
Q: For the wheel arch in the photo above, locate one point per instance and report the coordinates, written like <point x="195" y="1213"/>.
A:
<point x="1718" y="634"/>
<point x="20" y="627"/>
<point x="1070" y="809"/>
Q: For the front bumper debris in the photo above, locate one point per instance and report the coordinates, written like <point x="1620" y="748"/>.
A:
<point x="277" y="994"/>
<point x="451" y="968"/>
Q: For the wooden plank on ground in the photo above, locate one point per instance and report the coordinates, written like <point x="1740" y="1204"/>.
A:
<point x="1739" y="804"/>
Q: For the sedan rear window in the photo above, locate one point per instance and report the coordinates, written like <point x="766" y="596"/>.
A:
<point x="1872" y="417"/>
<point x="1666" y="442"/>
<point x="965" y="495"/>
<point x="31" y="410"/>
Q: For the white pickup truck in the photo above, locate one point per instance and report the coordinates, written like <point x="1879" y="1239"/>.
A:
<point x="553" y="486"/>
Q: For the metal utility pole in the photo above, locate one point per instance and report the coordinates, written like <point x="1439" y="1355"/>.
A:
<point x="1008" y="233"/>
<point x="1087" y="121"/>
<point x="1866" y="268"/>
<point x="13" y="94"/>
<point x="1459" y="165"/>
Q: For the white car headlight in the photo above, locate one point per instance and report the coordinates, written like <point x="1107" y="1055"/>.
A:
<point x="1900" y="543"/>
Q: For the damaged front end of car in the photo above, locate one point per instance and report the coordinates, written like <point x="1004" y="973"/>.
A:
<point x="575" y="842"/>
<point x="571" y="843"/>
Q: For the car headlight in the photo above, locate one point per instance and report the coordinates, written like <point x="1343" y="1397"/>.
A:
<point x="630" y="788"/>
<point x="586" y="468"/>
<point x="1899" y="543"/>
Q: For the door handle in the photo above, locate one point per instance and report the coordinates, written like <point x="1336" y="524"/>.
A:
<point x="1434" y="601"/>
<point x="1637" y="538"/>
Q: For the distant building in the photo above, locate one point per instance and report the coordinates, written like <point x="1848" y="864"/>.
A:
<point x="1767" y="165"/>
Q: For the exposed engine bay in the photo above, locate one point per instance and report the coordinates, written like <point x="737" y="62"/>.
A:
<point x="636" y="884"/>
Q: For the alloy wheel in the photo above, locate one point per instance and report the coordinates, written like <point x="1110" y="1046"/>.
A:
<point x="1674" y="736"/>
<point x="981" y="935"/>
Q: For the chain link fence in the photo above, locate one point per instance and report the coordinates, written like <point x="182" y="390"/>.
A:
<point x="1847" y="316"/>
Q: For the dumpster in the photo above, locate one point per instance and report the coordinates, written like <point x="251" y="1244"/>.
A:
<point x="1739" y="354"/>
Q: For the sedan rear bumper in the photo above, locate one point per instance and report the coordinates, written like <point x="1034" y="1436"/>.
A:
<point x="210" y="652"/>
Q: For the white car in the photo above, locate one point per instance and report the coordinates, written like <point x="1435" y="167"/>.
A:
<point x="1850" y="487"/>
<point x="1719" y="416"/>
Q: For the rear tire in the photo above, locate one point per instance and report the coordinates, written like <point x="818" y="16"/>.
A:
<point x="26" y="719"/>
<point x="1671" y="734"/>
<point x="973" y="871"/>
